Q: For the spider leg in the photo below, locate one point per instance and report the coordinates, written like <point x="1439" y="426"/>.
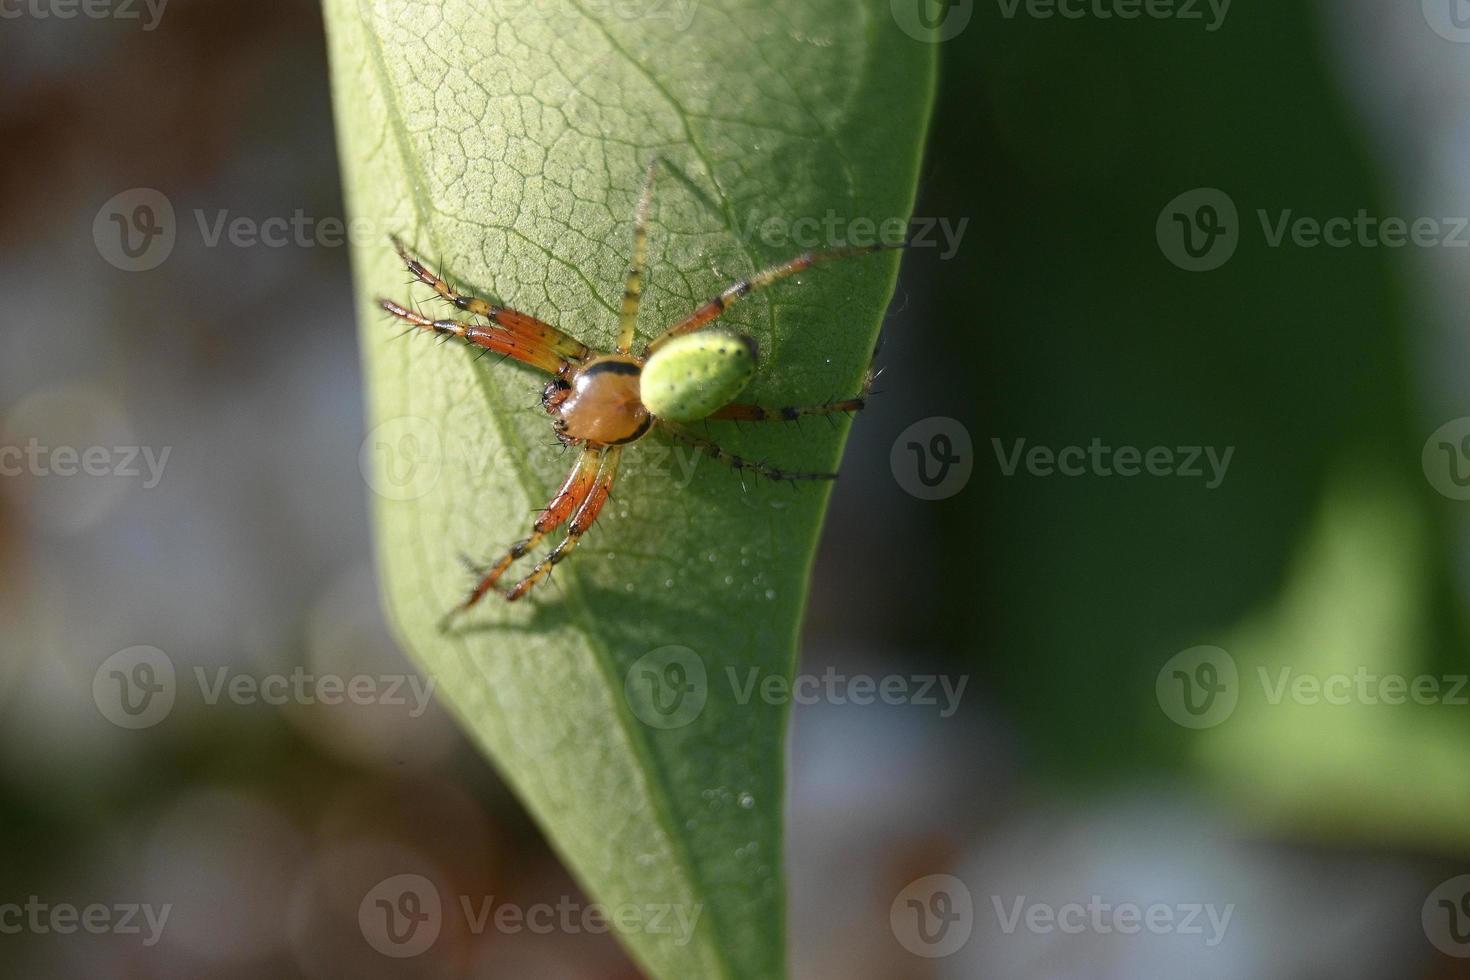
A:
<point x="633" y="291"/>
<point x="505" y="342"/>
<point x="573" y="493"/>
<point x="736" y="290"/>
<point x="525" y="326"/>
<point x="737" y="463"/>
<point x="579" y="525"/>
<point x="742" y="412"/>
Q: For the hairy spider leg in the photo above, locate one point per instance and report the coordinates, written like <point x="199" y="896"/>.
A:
<point x="738" y="463"/>
<point x="735" y="291"/>
<point x="745" y="412"/>
<point x="580" y="524"/>
<point x="521" y="324"/>
<point x="573" y="493"/>
<point x="633" y="291"/>
<point x="524" y="349"/>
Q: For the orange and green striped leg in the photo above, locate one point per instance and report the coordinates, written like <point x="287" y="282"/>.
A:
<point x="633" y="290"/>
<point x="579" y="525"/>
<point x="737" y="463"/>
<point x="526" y="327"/>
<point x="527" y="351"/>
<point x="736" y="291"/>
<point x="580" y="483"/>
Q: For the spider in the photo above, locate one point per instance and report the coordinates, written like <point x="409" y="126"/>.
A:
<point x="604" y="400"/>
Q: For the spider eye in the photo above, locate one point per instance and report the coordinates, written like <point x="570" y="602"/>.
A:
<point x="691" y="376"/>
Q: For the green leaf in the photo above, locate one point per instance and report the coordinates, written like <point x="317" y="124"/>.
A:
<point x="506" y="143"/>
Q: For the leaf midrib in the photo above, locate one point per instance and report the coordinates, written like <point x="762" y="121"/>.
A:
<point x="602" y="653"/>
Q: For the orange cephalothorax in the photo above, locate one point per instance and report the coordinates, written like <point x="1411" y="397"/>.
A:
<point x="602" y="405"/>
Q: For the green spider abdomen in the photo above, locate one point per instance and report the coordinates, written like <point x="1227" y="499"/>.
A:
<point x="692" y="376"/>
